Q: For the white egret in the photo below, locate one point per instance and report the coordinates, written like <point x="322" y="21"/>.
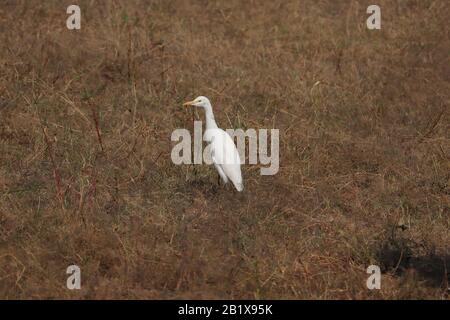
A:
<point x="224" y="154"/>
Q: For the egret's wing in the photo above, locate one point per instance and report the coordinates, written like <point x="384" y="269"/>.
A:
<point x="221" y="173"/>
<point x="227" y="156"/>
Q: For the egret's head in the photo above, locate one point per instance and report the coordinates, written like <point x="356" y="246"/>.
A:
<point x="200" y="101"/>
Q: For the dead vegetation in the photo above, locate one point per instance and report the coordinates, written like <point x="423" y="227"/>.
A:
<point x="86" y="176"/>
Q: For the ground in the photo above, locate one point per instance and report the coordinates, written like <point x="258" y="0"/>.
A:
<point x="86" y="176"/>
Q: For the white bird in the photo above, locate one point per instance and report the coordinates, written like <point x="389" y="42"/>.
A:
<point x="224" y="153"/>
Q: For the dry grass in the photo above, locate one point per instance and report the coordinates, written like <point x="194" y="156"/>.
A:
<point x="86" y="176"/>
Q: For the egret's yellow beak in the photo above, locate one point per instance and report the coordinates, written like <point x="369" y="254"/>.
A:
<point x="189" y="103"/>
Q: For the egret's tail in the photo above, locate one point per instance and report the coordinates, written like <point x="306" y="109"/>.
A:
<point x="239" y="186"/>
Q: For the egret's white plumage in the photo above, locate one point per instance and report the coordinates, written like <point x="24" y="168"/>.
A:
<point x="224" y="154"/>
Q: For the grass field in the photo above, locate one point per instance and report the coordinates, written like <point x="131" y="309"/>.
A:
<point x="86" y="176"/>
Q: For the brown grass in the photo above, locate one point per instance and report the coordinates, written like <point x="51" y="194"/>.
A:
<point x="86" y="176"/>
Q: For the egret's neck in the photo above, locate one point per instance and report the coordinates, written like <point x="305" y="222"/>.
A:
<point x="210" y="121"/>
